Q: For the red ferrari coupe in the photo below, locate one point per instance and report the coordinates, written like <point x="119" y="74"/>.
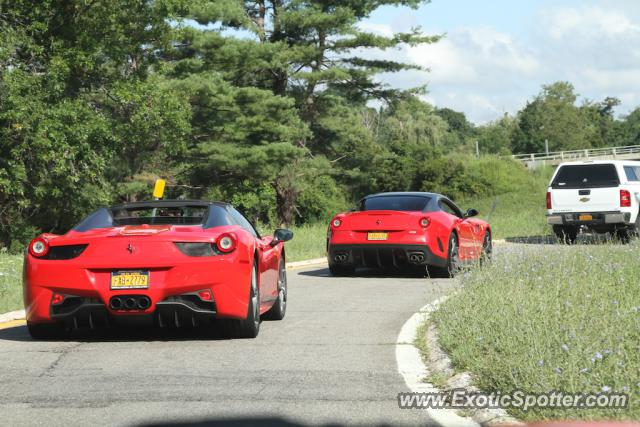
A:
<point x="407" y="229"/>
<point x="172" y="262"/>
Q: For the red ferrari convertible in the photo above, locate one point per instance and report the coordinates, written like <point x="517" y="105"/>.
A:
<point x="407" y="229"/>
<point x="172" y="262"/>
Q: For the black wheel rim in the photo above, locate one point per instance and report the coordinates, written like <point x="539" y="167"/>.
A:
<point x="455" y="256"/>
<point x="255" y="298"/>
<point x="282" y="287"/>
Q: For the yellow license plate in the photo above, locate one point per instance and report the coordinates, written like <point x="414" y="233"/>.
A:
<point x="129" y="280"/>
<point x="377" y="236"/>
<point x="585" y="217"/>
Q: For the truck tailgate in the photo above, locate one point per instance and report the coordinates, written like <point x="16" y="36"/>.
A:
<point x="585" y="200"/>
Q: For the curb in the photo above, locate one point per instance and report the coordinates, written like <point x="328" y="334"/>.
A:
<point x="20" y="314"/>
<point x="306" y="263"/>
<point x="11" y="316"/>
<point x="413" y="370"/>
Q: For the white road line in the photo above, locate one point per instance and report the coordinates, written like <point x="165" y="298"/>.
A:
<point x="413" y="370"/>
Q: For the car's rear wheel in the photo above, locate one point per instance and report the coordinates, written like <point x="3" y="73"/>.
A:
<point x="566" y="235"/>
<point x="487" y="249"/>
<point x="342" y="270"/>
<point x="279" y="308"/>
<point x="45" y="331"/>
<point x="249" y="327"/>
<point x="453" y="264"/>
<point x="626" y="234"/>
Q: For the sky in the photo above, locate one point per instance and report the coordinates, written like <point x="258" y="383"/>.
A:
<point x="497" y="54"/>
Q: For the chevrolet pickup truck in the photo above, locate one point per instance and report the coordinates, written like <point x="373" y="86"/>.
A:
<point x="596" y="196"/>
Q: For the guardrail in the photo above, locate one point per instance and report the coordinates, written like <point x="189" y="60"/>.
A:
<point x="592" y="153"/>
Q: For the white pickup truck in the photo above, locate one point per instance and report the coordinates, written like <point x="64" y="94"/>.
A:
<point x="599" y="196"/>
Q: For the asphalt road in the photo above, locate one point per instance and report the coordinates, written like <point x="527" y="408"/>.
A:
<point x="331" y="360"/>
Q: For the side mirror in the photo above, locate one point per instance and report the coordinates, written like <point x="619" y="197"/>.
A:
<point x="281" y="235"/>
<point x="471" y="213"/>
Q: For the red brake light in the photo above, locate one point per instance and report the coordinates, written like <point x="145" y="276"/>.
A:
<point x="57" y="299"/>
<point x="226" y="243"/>
<point x="548" y="200"/>
<point x="205" y="295"/>
<point x="625" y="199"/>
<point x="424" y="222"/>
<point x="38" y="247"/>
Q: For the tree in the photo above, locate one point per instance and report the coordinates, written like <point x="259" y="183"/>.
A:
<point x="553" y="116"/>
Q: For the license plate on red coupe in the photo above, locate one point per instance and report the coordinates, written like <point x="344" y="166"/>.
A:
<point x="129" y="280"/>
<point x="377" y="236"/>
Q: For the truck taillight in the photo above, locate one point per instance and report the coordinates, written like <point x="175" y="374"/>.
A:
<point x="625" y="199"/>
<point x="548" y="200"/>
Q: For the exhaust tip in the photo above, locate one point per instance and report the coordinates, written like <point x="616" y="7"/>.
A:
<point x="115" y="303"/>
<point x="144" y="303"/>
<point x="130" y="303"/>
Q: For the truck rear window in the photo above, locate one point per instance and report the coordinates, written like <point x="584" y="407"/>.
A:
<point x="586" y="176"/>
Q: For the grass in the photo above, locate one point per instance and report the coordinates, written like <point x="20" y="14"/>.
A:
<point x="309" y="241"/>
<point x="551" y="318"/>
<point x="10" y="282"/>
<point x="516" y="214"/>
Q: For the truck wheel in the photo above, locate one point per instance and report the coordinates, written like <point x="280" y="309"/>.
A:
<point x="566" y="235"/>
<point x="626" y="234"/>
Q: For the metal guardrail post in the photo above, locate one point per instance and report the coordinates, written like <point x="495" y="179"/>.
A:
<point x="614" y="153"/>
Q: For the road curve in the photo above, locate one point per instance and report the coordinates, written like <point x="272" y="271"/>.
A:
<point x="331" y="361"/>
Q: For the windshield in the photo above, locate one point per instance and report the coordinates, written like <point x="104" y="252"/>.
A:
<point x="178" y="215"/>
<point x="395" y="203"/>
<point x="208" y="216"/>
<point x="586" y="176"/>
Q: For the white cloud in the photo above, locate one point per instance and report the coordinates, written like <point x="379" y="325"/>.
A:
<point x="587" y="21"/>
<point x="485" y="72"/>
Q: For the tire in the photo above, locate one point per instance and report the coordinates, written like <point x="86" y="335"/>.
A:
<point x="452" y="266"/>
<point x="487" y="249"/>
<point x="341" y="270"/>
<point x="45" y="331"/>
<point x="566" y="235"/>
<point x="626" y="234"/>
<point x="249" y="327"/>
<point x="279" y="308"/>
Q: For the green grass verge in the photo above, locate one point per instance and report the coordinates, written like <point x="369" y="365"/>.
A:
<point x="516" y="214"/>
<point x="309" y="241"/>
<point x="551" y="318"/>
<point x="10" y="282"/>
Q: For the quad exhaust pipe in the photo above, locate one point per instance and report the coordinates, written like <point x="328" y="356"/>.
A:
<point x="341" y="258"/>
<point x="130" y="303"/>
<point x="416" y="258"/>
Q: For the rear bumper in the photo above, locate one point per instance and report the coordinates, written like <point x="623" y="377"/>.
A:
<point x="383" y="255"/>
<point x="597" y="218"/>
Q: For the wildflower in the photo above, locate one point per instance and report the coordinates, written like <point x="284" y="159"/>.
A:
<point x="565" y="347"/>
<point x="606" y="389"/>
<point x="607" y="352"/>
<point x="598" y="355"/>
<point x="584" y="370"/>
<point x="540" y="362"/>
<point x="625" y="388"/>
<point x="558" y="371"/>
<point x="615" y="302"/>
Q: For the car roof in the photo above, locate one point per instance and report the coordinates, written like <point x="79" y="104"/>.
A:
<point x="601" y="162"/>
<point x="168" y="204"/>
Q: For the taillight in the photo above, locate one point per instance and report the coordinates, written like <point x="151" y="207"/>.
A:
<point x="336" y="222"/>
<point x="38" y="247"/>
<point x="625" y="199"/>
<point x="548" y="200"/>
<point x="226" y="243"/>
<point x="57" y="299"/>
<point x="205" y="295"/>
<point x="424" y="222"/>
